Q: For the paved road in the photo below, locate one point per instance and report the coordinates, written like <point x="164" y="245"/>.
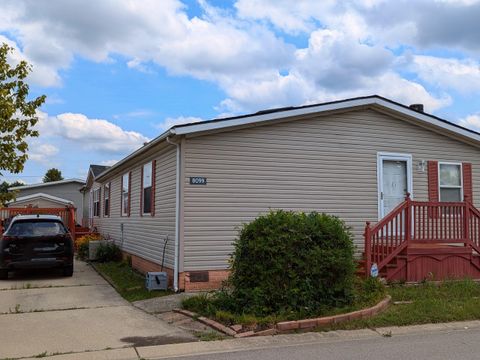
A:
<point x="46" y="312"/>
<point x="452" y="345"/>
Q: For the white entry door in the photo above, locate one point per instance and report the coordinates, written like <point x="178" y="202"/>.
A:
<point x="394" y="181"/>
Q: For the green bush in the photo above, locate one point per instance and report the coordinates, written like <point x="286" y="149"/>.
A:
<point x="288" y="261"/>
<point x="108" y="252"/>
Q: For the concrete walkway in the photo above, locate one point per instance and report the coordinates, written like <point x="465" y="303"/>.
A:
<point x="47" y="314"/>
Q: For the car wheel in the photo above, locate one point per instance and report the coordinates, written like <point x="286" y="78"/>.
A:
<point x="68" y="270"/>
<point x="3" y="274"/>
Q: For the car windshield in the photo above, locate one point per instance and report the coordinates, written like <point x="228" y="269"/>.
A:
<point x="36" y="228"/>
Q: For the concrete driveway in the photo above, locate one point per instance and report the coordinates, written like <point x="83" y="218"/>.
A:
<point x="47" y="313"/>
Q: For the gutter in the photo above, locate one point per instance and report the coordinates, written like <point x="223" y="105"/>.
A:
<point x="177" y="215"/>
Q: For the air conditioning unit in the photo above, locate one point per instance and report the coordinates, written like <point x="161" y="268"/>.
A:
<point x="156" y="281"/>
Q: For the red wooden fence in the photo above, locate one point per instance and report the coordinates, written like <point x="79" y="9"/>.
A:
<point x="67" y="214"/>
<point x="421" y="222"/>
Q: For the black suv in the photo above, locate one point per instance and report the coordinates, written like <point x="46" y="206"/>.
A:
<point x="34" y="242"/>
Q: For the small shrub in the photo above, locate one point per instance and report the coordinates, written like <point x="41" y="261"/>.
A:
<point x="369" y="291"/>
<point x="288" y="261"/>
<point x="108" y="252"/>
<point x="82" y="244"/>
<point x="197" y="303"/>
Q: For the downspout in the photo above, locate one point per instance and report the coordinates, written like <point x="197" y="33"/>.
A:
<point x="177" y="216"/>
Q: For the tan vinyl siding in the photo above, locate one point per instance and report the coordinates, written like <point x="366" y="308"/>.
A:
<point x="327" y="164"/>
<point x="144" y="236"/>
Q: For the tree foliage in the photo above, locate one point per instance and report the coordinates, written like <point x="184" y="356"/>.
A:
<point x="52" y="175"/>
<point x="288" y="261"/>
<point x="17" y="113"/>
<point x="5" y="195"/>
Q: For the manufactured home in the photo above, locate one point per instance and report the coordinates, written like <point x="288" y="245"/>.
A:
<point x="179" y="200"/>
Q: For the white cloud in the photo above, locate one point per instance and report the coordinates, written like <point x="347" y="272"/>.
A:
<point x="42" y="153"/>
<point x="53" y="32"/>
<point x="169" y="122"/>
<point x="460" y="75"/>
<point x="471" y="122"/>
<point x="291" y="17"/>
<point x="92" y="134"/>
<point x="335" y="65"/>
<point x="348" y="53"/>
<point x="108" y="162"/>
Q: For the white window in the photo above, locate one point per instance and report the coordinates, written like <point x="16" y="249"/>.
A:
<point x="147" y="194"/>
<point x="96" y="202"/>
<point x="106" y="200"/>
<point x="450" y="182"/>
<point x="125" y="194"/>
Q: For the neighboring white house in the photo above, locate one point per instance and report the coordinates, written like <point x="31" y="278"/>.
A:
<point x="40" y="200"/>
<point x="52" y="194"/>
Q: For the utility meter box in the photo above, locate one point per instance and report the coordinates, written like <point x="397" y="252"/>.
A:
<point x="156" y="281"/>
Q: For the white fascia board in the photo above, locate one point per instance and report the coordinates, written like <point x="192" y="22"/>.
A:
<point x="271" y="116"/>
<point x="51" y="183"/>
<point x="44" y="196"/>
<point x="429" y="120"/>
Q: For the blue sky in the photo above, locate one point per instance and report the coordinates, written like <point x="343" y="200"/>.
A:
<point x="117" y="73"/>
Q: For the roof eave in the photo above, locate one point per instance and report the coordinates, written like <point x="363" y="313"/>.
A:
<point x="373" y="101"/>
<point x="66" y="181"/>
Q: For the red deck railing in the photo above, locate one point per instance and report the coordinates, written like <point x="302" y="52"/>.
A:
<point x="67" y="214"/>
<point x="421" y="222"/>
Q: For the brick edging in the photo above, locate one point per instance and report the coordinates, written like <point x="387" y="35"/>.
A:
<point x="286" y="326"/>
<point x="305" y="324"/>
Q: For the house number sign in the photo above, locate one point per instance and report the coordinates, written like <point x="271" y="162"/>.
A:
<point x="198" y="180"/>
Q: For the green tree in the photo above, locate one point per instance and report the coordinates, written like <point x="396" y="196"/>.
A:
<point x="52" y="175"/>
<point x="5" y="195"/>
<point x="17" y="114"/>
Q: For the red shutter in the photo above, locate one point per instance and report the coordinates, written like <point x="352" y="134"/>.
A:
<point x="467" y="181"/>
<point x="129" y="192"/>
<point x="141" y="191"/>
<point x="154" y="178"/>
<point x="433" y="181"/>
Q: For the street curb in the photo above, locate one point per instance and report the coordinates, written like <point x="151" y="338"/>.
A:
<point x="204" y="348"/>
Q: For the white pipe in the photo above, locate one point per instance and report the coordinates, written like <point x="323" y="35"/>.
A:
<point x="177" y="216"/>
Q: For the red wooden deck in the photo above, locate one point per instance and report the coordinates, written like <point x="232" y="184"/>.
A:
<point x="67" y="214"/>
<point x="425" y="241"/>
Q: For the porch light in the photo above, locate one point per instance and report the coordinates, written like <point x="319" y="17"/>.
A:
<point x="421" y="166"/>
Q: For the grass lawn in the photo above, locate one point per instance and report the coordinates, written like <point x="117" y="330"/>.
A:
<point x="430" y="303"/>
<point x="216" y="306"/>
<point x="129" y="283"/>
<point x="420" y="304"/>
